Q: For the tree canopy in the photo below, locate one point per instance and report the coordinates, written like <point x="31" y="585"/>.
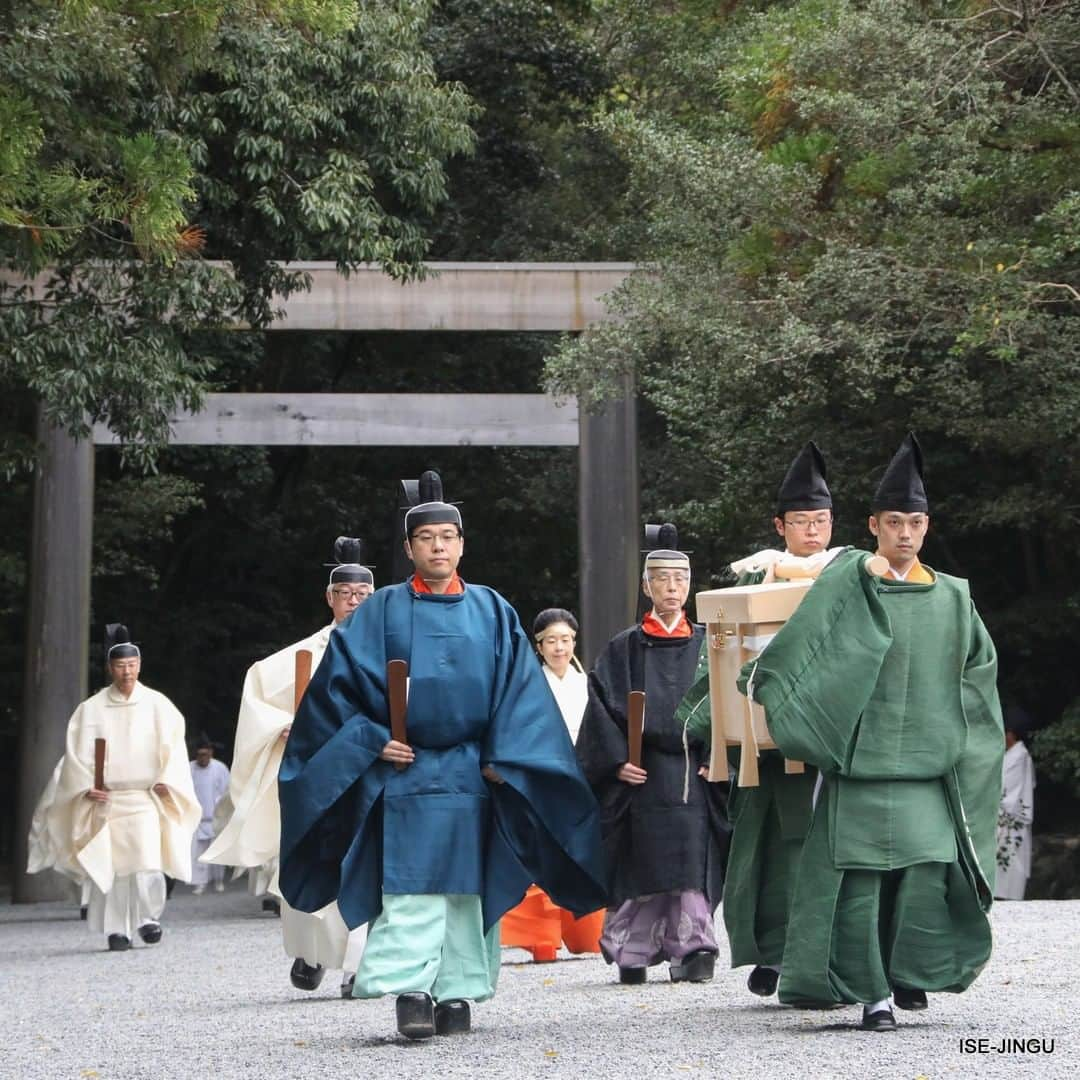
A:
<point x="140" y="143"/>
<point x="875" y="226"/>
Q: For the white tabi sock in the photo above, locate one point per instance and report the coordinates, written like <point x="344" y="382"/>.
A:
<point x="879" y="1006"/>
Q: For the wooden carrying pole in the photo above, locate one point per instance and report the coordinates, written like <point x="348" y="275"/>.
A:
<point x="397" y="682"/>
<point x="303" y="677"/>
<point x="99" y="764"/>
<point x="635" y="724"/>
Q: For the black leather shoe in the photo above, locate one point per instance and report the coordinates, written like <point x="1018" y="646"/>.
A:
<point x="694" y="967"/>
<point x="415" y="1015"/>
<point x="452" y="1017"/>
<point x="271" y="905"/>
<point x="119" y="943"/>
<point x="346" y="986"/>
<point x="634" y="976"/>
<point x="912" y="1000"/>
<point x="150" y="932"/>
<point x="882" y="1020"/>
<point x="763" y="981"/>
<point x="306" y="976"/>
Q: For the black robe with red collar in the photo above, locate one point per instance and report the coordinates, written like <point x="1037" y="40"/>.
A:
<point x="670" y="833"/>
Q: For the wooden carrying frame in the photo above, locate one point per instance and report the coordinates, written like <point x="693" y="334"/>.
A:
<point x="739" y="623"/>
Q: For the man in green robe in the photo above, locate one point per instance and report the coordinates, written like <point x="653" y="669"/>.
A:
<point x="888" y="686"/>
<point x="771" y="820"/>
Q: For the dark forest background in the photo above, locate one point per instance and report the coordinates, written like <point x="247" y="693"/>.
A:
<point x="698" y="139"/>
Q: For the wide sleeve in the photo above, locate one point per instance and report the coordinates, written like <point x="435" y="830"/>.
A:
<point x="602" y="743"/>
<point x="70" y="819"/>
<point x="253" y="831"/>
<point x="337" y="734"/>
<point x="180" y="810"/>
<point x="817" y="674"/>
<point x="39" y="849"/>
<point x="978" y="772"/>
<point x="694" y="713"/>
<point x="546" y="828"/>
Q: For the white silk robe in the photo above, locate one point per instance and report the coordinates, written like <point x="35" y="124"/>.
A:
<point x="1014" y="824"/>
<point x="40" y="854"/>
<point x="137" y="829"/>
<point x="252" y="836"/>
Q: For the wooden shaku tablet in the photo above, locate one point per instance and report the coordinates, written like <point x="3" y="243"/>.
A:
<point x="397" y="683"/>
<point x="99" y="764"/>
<point x="635" y="724"/>
<point x="303" y="677"/>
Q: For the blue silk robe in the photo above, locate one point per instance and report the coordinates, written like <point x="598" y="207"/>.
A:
<point x="353" y="827"/>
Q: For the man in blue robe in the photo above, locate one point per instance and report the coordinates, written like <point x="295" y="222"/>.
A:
<point x="430" y="842"/>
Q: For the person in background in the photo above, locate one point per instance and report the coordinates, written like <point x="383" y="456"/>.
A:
<point x="315" y="941"/>
<point x="665" y="826"/>
<point x="537" y="924"/>
<point x="138" y="824"/>
<point x="1016" y="812"/>
<point x="210" y="779"/>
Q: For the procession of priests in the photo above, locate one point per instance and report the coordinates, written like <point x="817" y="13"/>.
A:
<point x="420" y="781"/>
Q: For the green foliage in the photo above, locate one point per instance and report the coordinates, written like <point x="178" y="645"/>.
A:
<point x="137" y="140"/>
<point x="873" y="229"/>
<point x="1056" y="750"/>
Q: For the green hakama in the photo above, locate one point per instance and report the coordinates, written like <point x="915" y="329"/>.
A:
<point x="889" y="689"/>
<point x="770" y="825"/>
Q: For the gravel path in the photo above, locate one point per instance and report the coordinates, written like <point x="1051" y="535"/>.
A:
<point x="213" y="1001"/>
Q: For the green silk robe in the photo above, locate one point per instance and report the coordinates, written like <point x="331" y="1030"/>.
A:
<point x="770" y="825"/>
<point x="888" y="688"/>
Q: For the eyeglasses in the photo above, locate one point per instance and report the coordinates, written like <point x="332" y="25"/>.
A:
<point x="822" y="521"/>
<point x="679" y="577"/>
<point x="343" y="593"/>
<point x="427" y="538"/>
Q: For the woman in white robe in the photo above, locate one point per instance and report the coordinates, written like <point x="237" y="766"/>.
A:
<point x="537" y="924"/>
<point x="1016" y="813"/>
<point x="124" y="836"/>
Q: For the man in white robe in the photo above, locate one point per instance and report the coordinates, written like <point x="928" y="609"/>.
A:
<point x="1016" y="813"/>
<point x="210" y="778"/>
<point x="253" y="834"/>
<point x="125" y="834"/>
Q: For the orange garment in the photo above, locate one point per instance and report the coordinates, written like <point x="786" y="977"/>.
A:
<point x="538" y="925"/>
<point x="917" y="575"/>
<point x="655" y="628"/>
<point x="455" y="587"/>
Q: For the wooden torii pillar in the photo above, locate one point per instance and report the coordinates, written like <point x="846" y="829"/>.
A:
<point x="517" y="297"/>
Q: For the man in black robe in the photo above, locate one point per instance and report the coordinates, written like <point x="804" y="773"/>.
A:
<point x="664" y="825"/>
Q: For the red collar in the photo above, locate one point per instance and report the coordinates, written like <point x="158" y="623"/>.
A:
<point x="455" y="588"/>
<point x="655" y="628"/>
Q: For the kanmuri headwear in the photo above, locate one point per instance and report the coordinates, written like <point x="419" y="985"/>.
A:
<point x="429" y="508"/>
<point x="348" y="551"/>
<point x="662" y="544"/>
<point x="902" y="488"/>
<point x="118" y="643"/>
<point x="804" y="486"/>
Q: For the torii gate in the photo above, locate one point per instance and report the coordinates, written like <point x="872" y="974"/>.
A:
<point x="517" y="297"/>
